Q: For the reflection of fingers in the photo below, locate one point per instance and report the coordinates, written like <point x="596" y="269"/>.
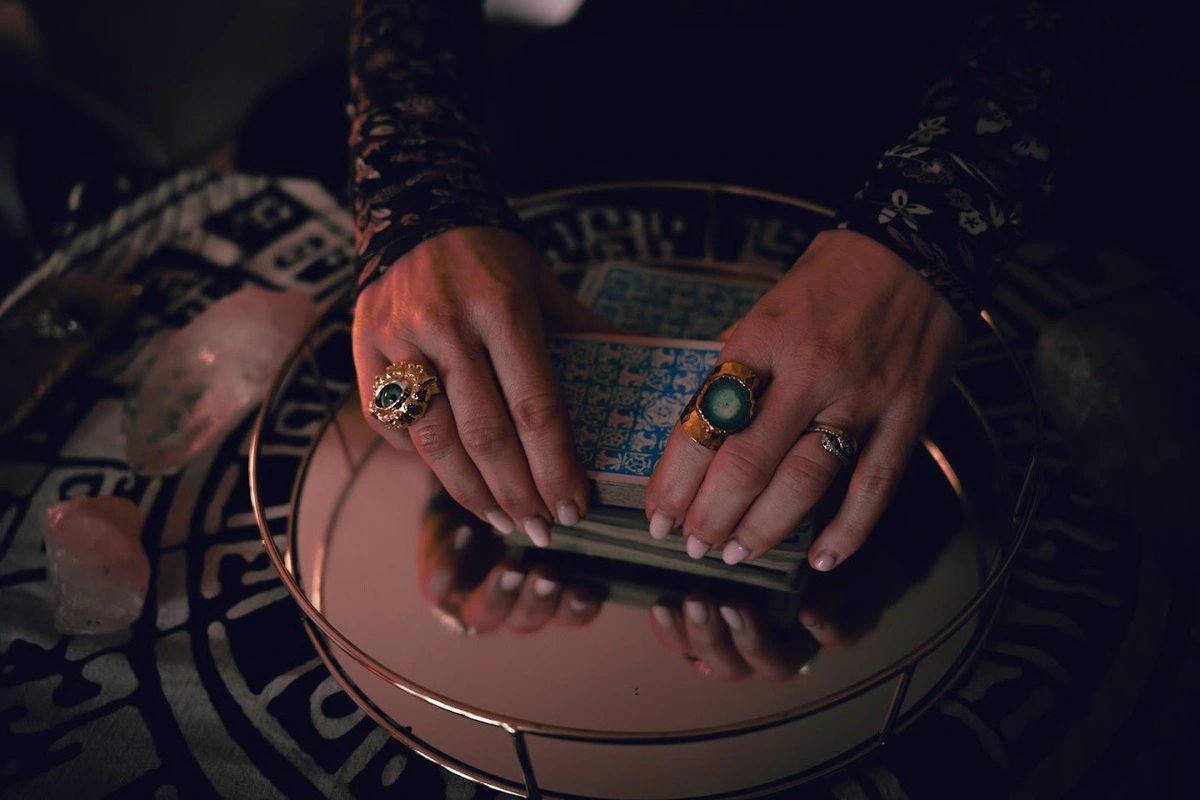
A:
<point x="803" y="475"/>
<point x="488" y="606"/>
<point x="539" y="415"/>
<point x="536" y="604"/>
<point x="486" y="435"/>
<point x="666" y="624"/>
<point x="821" y="629"/>
<point x="578" y="607"/>
<point x="875" y="478"/>
<point x="766" y="655"/>
<point x="709" y="636"/>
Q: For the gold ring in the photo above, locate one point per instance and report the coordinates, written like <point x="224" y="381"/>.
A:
<point x="836" y="442"/>
<point x="724" y="404"/>
<point x="402" y="393"/>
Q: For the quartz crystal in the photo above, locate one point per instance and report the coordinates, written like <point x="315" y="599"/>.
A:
<point x="198" y="382"/>
<point x="98" y="570"/>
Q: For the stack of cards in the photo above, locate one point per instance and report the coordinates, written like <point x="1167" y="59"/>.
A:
<point x="625" y="393"/>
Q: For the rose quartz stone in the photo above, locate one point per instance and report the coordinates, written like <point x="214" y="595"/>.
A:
<point x="99" y="572"/>
<point x="201" y="380"/>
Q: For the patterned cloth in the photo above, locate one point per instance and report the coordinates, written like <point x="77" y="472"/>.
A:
<point x="950" y="199"/>
<point x="1084" y="688"/>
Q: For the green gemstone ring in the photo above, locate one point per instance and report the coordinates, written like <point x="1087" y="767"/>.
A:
<point x="723" y="405"/>
<point x="402" y="393"/>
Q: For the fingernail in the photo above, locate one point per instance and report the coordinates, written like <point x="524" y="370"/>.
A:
<point x="697" y="612"/>
<point x="660" y="525"/>
<point x="439" y="584"/>
<point x="825" y="561"/>
<point x="662" y="615"/>
<point x="577" y="605"/>
<point x="510" y="580"/>
<point x="462" y="535"/>
<point x="537" y="530"/>
<point x="544" y="587"/>
<point x="696" y="547"/>
<point x="734" y="553"/>
<point x="568" y="513"/>
<point x="732" y="618"/>
<point x="500" y="521"/>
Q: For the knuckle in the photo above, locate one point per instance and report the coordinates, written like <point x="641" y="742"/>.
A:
<point x="742" y="468"/>
<point x="439" y="323"/>
<point x="802" y="476"/>
<point x="483" y="437"/>
<point x="875" y="486"/>
<point x="536" y="413"/>
<point x="432" y="439"/>
<point x="824" y="350"/>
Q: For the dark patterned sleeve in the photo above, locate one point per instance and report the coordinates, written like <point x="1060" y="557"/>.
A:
<point x="951" y="197"/>
<point x="419" y="160"/>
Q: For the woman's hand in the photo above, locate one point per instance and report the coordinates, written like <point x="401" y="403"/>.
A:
<point x="852" y="337"/>
<point x="471" y="304"/>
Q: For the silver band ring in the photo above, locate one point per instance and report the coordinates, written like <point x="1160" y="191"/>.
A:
<point x="836" y="442"/>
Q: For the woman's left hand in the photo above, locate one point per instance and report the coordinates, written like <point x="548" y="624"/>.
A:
<point x="851" y="337"/>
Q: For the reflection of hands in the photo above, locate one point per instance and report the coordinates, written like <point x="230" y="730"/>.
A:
<point x="851" y="337"/>
<point x="471" y="303"/>
<point x="736" y="639"/>
<point x="730" y="640"/>
<point x="464" y="570"/>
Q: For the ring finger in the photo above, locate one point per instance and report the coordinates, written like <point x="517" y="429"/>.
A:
<point x="802" y="477"/>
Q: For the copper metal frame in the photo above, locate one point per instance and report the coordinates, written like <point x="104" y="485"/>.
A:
<point x="323" y="632"/>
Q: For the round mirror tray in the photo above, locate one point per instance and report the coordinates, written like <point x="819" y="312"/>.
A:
<point x="614" y="706"/>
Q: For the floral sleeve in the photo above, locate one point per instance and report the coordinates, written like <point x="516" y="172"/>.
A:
<point x="419" y="161"/>
<point x="950" y="198"/>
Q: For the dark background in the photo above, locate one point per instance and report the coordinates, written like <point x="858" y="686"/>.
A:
<point x="796" y="97"/>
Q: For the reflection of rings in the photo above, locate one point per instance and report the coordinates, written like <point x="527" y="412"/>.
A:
<point x="836" y="441"/>
<point x="699" y="664"/>
<point x="724" y="404"/>
<point x="402" y="392"/>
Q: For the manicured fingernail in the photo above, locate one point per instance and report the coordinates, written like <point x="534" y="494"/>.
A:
<point x="732" y="617"/>
<point x="578" y="605"/>
<point x="697" y="612"/>
<point x="660" y="525"/>
<point x="662" y="615"/>
<point x="544" y="587"/>
<point x="537" y="530"/>
<point x="696" y="547"/>
<point x="735" y="552"/>
<point x="462" y="535"/>
<point x="568" y="513"/>
<point x="825" y="561"/>
<point x="510" y="580"/>
<point x="439" y="584"/>
<point x="500" y="521"/>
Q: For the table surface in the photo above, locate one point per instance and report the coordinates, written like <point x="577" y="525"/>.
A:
<point x="216" y="691"/>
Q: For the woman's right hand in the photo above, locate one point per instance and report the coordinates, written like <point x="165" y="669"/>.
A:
<point x="472" y="305"/>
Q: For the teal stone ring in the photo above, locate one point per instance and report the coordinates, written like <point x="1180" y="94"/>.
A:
<point x="723" y="405"/>
<point x="401" y="394"/>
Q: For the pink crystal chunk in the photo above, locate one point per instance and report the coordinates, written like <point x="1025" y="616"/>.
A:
<point x="99" y="572"/>
<point x="201" y="380"/>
